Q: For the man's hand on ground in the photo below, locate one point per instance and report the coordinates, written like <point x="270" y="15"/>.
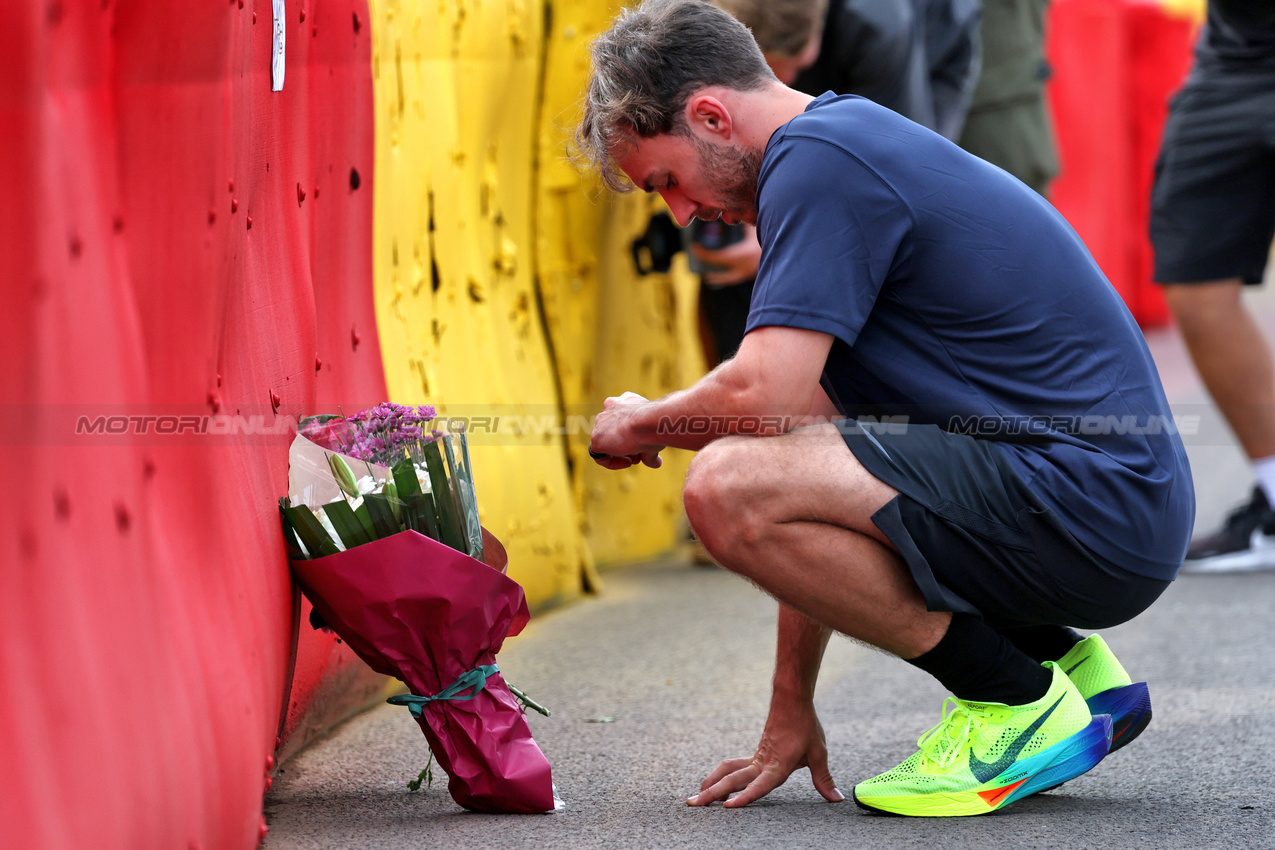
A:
<point x="611" y="443"/>
<point x="793" y="739"/>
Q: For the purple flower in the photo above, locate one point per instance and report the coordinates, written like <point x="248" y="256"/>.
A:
<point x="381" y="434"/>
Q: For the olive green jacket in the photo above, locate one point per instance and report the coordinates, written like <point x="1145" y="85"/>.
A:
<point x="1008" y="124"/>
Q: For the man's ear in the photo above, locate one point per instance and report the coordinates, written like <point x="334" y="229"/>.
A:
<point x="707" y="114"/>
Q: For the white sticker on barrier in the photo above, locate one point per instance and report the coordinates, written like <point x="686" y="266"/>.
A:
<point x="276" y="57"/>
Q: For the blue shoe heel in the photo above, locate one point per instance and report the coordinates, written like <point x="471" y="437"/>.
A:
<point x="1130" y="710"/>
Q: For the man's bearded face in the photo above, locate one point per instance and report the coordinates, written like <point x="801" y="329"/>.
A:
<point x="731" y="175"/>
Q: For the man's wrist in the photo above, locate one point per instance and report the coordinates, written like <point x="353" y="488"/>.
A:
<point x="788" y="689"/>
<point x="641" y="427"/>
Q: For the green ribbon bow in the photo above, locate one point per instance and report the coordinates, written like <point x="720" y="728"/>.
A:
<point x="475" y="679"/>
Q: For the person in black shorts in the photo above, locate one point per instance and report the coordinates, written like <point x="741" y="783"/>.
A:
<point x="1212" y="222"/>
<point x="943" y="433"/>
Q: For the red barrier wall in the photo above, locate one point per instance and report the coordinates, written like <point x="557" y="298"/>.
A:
<point x="1116" y="63"/>
<point x="177" y="240"/>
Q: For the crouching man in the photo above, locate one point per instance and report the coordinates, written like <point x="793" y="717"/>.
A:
<point x="1029" y="480"/>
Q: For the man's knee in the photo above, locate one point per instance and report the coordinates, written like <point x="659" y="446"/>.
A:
<point x="714" y="496"/>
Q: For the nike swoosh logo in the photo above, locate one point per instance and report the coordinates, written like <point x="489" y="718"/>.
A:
<point x="987" y="771"/>
<point x="1077" y="664"/>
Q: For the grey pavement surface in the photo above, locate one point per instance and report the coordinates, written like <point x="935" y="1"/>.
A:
<point x="680" y="658"/>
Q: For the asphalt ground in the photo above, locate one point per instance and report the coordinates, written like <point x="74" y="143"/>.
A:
<point x="667" y="672"/>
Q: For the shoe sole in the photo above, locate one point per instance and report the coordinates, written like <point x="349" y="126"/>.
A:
<point x="1083" y="756"/>
<point x="1130" y="711"/>
<point x="1063" y="761"/>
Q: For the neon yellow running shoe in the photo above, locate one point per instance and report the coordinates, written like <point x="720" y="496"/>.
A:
<point x="983" y="756"/>
<point x="1107" y="689"/>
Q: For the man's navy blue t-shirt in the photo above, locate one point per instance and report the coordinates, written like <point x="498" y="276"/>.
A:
<point x="959" y="297"/>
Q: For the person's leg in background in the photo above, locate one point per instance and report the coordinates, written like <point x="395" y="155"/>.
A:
<point x="1212" y="222"/>
<point x="1233" y="358"/>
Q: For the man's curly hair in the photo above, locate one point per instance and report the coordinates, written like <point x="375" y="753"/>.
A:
<point x="645" y="67"/>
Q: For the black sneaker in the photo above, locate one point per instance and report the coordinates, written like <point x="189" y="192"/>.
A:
<point x="1246" y="541"/>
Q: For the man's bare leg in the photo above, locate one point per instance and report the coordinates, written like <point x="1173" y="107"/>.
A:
<point x="793" y="515"/>
<point x="1232" y="356"/>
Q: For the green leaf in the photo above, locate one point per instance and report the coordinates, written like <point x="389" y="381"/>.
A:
<point x="405" y="511"/>
<point x="365" y="520"/>
<point x="426" y="776"/>
<point x="466" y="467"/>
<point x="381" y="514"/>
<point x="346" y="524"/>
<point x="429" y="512"/>
<point x="409" y="510"/>
<point x="390" y="492"/>
<point x="290" y="541"/>
<point x="476" y="529"/>
<point x="405" y="478"/>
<point x="409" y="491"/>
<point x="448" y="522"/>
<point x="312" y="534"/>
<point x="319" y="418"/>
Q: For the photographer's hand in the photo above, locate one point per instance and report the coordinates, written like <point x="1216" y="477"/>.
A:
<point x="739" y="260"/>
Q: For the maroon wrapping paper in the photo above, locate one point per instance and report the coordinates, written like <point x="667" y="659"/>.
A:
<point x="422" y="612"/>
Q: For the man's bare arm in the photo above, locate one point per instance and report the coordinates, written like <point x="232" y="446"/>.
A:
<point x="793" y="737"/>
<point x="822" y="410"/>
<point x="768" y="388"/>
<point x="774" y="376"/>
<point x="799" y="654"/>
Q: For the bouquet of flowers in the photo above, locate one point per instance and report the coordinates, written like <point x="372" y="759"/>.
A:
<point x="381" y="525"/>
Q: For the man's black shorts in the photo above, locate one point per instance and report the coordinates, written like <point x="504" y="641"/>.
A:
<point x="977" y="540"/>
<point x="1213" y="204"/>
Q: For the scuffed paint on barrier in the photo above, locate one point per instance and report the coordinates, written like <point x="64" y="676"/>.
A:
<point x="182" y="243"/>
<point x="457" y="95"/>
<point x="178" y="241"/>
<point x="612" y="330"/>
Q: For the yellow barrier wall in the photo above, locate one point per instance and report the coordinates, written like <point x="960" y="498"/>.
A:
<point x="476" y="206"/>
<point x="612" y="330"/>
<point x="1193" y="10"/>
<point x="456" y="89"/>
